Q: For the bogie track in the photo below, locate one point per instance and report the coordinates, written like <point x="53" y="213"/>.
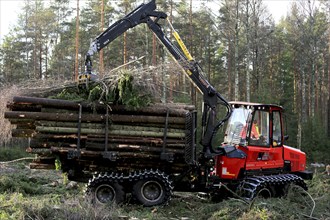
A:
<point x="268" y="186"/>
<point x="149" y="187"/>
<point x="105" y="189"/>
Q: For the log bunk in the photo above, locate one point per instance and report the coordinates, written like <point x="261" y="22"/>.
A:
<point x="86" y="136"/>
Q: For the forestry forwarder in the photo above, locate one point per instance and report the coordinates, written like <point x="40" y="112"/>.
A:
<point x="251" y="161"/>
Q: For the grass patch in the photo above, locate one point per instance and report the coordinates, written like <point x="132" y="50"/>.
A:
<point x="18" y="206"/>
<point x="28" y="194"/>
<point x="13" y="153"/>
<point x="18" y="178"/>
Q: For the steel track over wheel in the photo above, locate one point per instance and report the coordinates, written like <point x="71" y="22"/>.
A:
<point x="104" y="189"/>
<point x="268" y="186"/>
<point x="154" y="188"/>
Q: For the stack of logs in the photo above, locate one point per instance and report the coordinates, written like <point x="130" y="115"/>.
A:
<point x="59" y="126"/>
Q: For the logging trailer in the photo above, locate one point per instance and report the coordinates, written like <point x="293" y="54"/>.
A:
<point x="162" y="155"/>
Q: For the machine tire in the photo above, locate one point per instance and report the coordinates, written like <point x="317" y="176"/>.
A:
<point x="153" y="189"/>
<point x="265" y="192"/>
<point x="268" y="186"/>
<point x="105" y="190"/>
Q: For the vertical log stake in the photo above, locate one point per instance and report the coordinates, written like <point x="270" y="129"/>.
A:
<point x="166" y="156"/>
<point x="76" y="152"/>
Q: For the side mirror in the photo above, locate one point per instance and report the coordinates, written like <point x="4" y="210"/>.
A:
<point x="286" y="137"/>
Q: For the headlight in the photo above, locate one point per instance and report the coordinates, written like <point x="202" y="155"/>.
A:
<point x="210" y="162"/>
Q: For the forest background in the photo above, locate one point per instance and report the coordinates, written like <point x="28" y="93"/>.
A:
<point x="243" y="52"/>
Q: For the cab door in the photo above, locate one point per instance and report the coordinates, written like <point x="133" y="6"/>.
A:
<point x="265" y="141"/>
<point x="277" y="138"/>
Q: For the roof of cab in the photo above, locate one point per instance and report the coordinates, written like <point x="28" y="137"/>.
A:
<point x="237" y="104"/>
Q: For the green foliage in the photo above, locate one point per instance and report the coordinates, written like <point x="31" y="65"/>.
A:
<point x="65" y="178"/>
<point x="122" y="89"/>
<point x="58" y="165"/>
<point x="319" y="189"/>
<point x="48" y="201"/>
<point x="124" y="85"/>
<point x="73" y="94"/>
<point x="19" y="183"/>
<point x="182" y="98"/>
<point x="95" y="93"/>
<point x="297" y="205"/>
<point x="10" y="206"/>
<point x="18" y="206"/>
<point x="315" y="141"/>
<point x="130" y="93"/>
<point x="134" y="100"/>
<point x="52" y="206"/>
<point x="12" y="153"/>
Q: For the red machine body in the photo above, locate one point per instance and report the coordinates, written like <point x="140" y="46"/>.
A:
<point x="256" y="131"/>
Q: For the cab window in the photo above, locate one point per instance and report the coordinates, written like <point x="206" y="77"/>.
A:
<point x="259" y="129"/>
<point x="277" y="129"/>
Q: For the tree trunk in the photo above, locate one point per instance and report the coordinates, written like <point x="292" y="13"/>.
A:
<point x="132" y="148"/>
<point x="76" y="71"/>
<point x="237" y="97"/>
<point x="328" y="117"/>
<point x="170" y="96"/>
<point x="247" y="53"/>
<point x="230" y="95"/>
<point x="35" y="43"/>
<point x="40" y="57"/>
<point x="101" y="69"/>
<point x="192" y="86"/>
<point x="328" y="120"/>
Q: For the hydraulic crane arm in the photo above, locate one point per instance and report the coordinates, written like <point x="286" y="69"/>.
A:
<point x="146" y="13"/>
<point x="137" y="16"/>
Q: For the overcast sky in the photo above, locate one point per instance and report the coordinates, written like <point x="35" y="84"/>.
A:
<point x="9" y="10"/>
